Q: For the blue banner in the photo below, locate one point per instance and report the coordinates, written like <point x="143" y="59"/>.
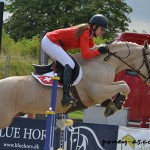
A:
<point x="30" y="134"/>
<point x="86" y="136"/>
<point x="23" y="134"/>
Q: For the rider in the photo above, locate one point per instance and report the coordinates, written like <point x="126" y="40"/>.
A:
<point x="57" y="42"/>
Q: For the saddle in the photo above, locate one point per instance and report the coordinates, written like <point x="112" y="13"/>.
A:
<point x="42" y="69"/>
<point x="39" y="70"/>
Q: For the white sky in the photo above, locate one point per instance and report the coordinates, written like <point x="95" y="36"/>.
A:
<point x="140" y="17"/>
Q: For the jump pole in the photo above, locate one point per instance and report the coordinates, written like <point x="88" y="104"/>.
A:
<point x="51" y="116"/>
<point x="62" y="123"/>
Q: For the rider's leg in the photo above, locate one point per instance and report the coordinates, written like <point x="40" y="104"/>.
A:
<point x="57" y="53"/>
<point x="67" y="98"/>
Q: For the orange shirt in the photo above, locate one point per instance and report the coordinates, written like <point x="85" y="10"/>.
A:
<point x="66" y="35"/>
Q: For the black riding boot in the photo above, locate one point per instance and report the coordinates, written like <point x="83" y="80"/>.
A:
<point x="67" y="98"/>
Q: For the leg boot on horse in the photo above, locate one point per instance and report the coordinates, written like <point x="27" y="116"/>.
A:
<point x="67" y="97"/>
<point x="106" y="103"/>
<point x="115" y="105"/>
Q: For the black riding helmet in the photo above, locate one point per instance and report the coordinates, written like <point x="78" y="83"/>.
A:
<point x="98" y="20"/>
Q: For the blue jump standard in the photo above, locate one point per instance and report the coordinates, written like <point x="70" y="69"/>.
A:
<point x="51" y="117"/>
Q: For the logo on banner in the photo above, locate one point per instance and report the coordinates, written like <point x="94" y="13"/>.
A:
<point x="132" y="143"/>
<point x="133" y="139"/>
<point x="79" y="140"/>
<point x="129" y="141"/>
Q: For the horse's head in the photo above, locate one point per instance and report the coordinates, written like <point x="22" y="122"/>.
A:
<point x="145" y="69"/>
<point x="134" y="55"/>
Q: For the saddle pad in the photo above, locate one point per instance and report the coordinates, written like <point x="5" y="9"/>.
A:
<point x="45" y="79"/>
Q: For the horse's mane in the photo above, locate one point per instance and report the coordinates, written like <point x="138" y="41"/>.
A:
<point x="116" y="43"/>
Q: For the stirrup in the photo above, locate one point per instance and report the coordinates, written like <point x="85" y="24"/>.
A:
<point x="66" y="103"/>
<point x="41" y="69"/>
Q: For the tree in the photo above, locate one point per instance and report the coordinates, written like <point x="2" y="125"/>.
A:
<point x="29" y="18"/>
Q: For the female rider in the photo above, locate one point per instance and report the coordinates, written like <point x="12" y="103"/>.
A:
<point x="57" y="42"/>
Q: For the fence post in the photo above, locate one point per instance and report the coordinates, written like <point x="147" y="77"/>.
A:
<point x="7" y="70"/>
<point x="1" y="21"/>
<point x="43" y="57"/>
<point x="43" y="60"/>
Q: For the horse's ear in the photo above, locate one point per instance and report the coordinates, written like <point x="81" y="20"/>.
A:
<point x="146" y="46"/>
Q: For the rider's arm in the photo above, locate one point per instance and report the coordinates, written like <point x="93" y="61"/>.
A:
<point x="94" y="47"/>
<point x="85" y="46"/>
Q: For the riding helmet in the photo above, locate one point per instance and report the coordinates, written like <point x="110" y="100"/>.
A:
<point x="99" y="20"/>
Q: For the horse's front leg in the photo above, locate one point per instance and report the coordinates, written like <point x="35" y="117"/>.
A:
<point x="122" y="90"/>
<point x="108" y="91"/>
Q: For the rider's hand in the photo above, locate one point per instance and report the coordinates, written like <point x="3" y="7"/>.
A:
<point x="103" y="49"/>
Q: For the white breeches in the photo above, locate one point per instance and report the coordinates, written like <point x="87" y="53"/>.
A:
<point x="56" y="52"/>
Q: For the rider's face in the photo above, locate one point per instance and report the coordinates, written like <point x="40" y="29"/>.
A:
<point x="99" y="31"/>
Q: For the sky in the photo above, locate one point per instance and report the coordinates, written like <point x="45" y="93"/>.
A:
<point x="140" y="17"/>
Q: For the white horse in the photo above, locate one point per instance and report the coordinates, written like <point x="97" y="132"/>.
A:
<point x="27" y="95"/>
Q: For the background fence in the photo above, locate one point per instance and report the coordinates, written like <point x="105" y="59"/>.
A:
<point x="13" y="66"/>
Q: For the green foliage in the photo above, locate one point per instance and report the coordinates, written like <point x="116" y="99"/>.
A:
<point x="23" y="54"/>
<point x="21" y="66"/>
<point x="2" y="67"/>
<point x="19" y="52"/>
<point x="30" y="17"/>
<point x="29" y="48"/>
<point x="16" y="67"/>
<point x="25" y="48"/>
<point x="7" y="42"/>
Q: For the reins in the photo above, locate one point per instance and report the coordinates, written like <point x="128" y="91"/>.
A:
<point x="145" y="60"/>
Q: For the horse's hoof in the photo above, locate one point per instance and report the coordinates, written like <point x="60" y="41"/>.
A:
<point x="106" y="103"/>
<point x="108" y="112"/>
<point x="120" y="101"/>
<point x="115" y="105"/>
<point x="110" y="109"/>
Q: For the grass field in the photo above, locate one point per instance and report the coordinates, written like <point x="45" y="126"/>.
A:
<point x="76" y="115"/>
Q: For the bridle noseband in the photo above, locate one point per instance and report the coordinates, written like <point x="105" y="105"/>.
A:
<point x="145" y="61"/>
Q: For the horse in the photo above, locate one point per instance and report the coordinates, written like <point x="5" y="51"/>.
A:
<point x="25" y="94"/>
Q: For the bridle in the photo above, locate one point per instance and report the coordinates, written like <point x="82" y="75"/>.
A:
<point x="145" y="61"/>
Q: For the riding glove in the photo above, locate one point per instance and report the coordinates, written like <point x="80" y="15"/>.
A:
<point x="103" y="49"/>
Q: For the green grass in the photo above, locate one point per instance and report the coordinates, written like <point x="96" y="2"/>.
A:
<point x="76" y="115"/>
